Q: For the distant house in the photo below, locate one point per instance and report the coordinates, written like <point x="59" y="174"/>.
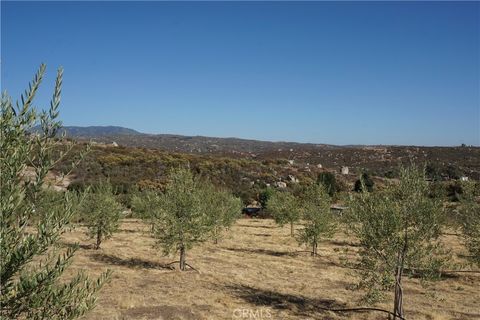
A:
<point x="291" y="162"/>
<point x="114" y="144"/>
<point x="344" y="170"/>
<point x="463" y="178"/>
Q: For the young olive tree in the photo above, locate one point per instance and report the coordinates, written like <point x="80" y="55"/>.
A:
<point x="318" y="220"/>
<point x="285" y="208"/>
<point x="102" y="213"/>
<point x="143" y="204"/>
<point x="30" y="270"/>
<point x="182" y="218"/>
<point x="470" y="221"/>
<point x="224" y="209"/>
<point x="398" y="229"/>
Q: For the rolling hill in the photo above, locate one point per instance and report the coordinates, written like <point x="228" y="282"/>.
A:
<point x="376" y="159"/>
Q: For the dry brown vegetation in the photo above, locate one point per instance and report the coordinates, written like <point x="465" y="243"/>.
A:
<point x="256" y="267"/>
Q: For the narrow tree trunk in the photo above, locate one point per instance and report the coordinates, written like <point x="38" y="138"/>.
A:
<point x="182" y="258"/>
<point x="398" y="302"/>
<point x="314" y="247"/>
<point x="291" y="228"/>
<point x="99" y="239"/>
<point x="215" y="235"/>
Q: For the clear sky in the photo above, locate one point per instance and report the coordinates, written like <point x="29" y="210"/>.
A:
<point x="322" y="72"/>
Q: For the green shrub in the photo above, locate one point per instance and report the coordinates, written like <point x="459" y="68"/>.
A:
<point x="328" y="181"/>
<point x="364" y="181"/>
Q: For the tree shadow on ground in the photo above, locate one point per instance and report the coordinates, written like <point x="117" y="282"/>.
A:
<point x="264" y="251"/>
<point x="129" y="230"/>
<point x="78" y="245"/>
<point x="298" y="305"/>
<point x="260" y="226"/>
<point x="419" y="274"/>
<point x="133" y="263"/>
<point x="343" y="243"/>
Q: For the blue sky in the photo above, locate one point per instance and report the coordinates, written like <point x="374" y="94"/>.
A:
<point x="322" y="72"/>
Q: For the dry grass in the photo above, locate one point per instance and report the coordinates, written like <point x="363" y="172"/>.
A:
<point x="256" y="268"/>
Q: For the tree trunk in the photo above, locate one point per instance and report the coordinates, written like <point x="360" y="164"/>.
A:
<point x="314" y="248"/>
<point x="398" y="302"/>
<point x="291" y="228"/>
<point x="215" y="235"/>
<point x="99" y="239"/>
<point x="182" y="258"/>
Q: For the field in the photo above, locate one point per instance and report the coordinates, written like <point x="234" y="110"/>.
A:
<point x="256" y="272"/>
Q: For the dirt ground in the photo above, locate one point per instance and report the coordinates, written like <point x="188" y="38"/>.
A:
<point x="256" y="272"/>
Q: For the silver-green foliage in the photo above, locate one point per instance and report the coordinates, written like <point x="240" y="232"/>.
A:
<point x="470" y="221"/>
<point x="102" y="213"/>
<point x="223" y="208"/>
<point x="317" y="217"/>
<point x="30" y="264"/>
<point x="398" y="229"/>
<point x="183" y="216"/>
<point x="285" y="208"/>
<point x="144" y="204"/>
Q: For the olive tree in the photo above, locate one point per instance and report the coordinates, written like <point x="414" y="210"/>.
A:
<point x="102" y="213"/>
<point x="144" y="203"/>
<point x="470" y="221"/>
<point x="285" y="208"/>
<point x="182" y="217"/>
<point x="317" y="217"/>
<point x="398" y="230"/>
<point x="31" y="283"/>
<point x="223" y="208"/>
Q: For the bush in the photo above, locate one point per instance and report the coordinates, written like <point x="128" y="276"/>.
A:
<point x="328" y="181"/>
<point x="265" y="196"/>
<point x="364" y="181"/>
<point x="455" y="191"/>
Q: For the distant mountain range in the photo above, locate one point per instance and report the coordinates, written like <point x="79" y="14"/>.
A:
<point x="98" y="131"/>
<point x="179" y="143"/>
<point x="380" y="159"/>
